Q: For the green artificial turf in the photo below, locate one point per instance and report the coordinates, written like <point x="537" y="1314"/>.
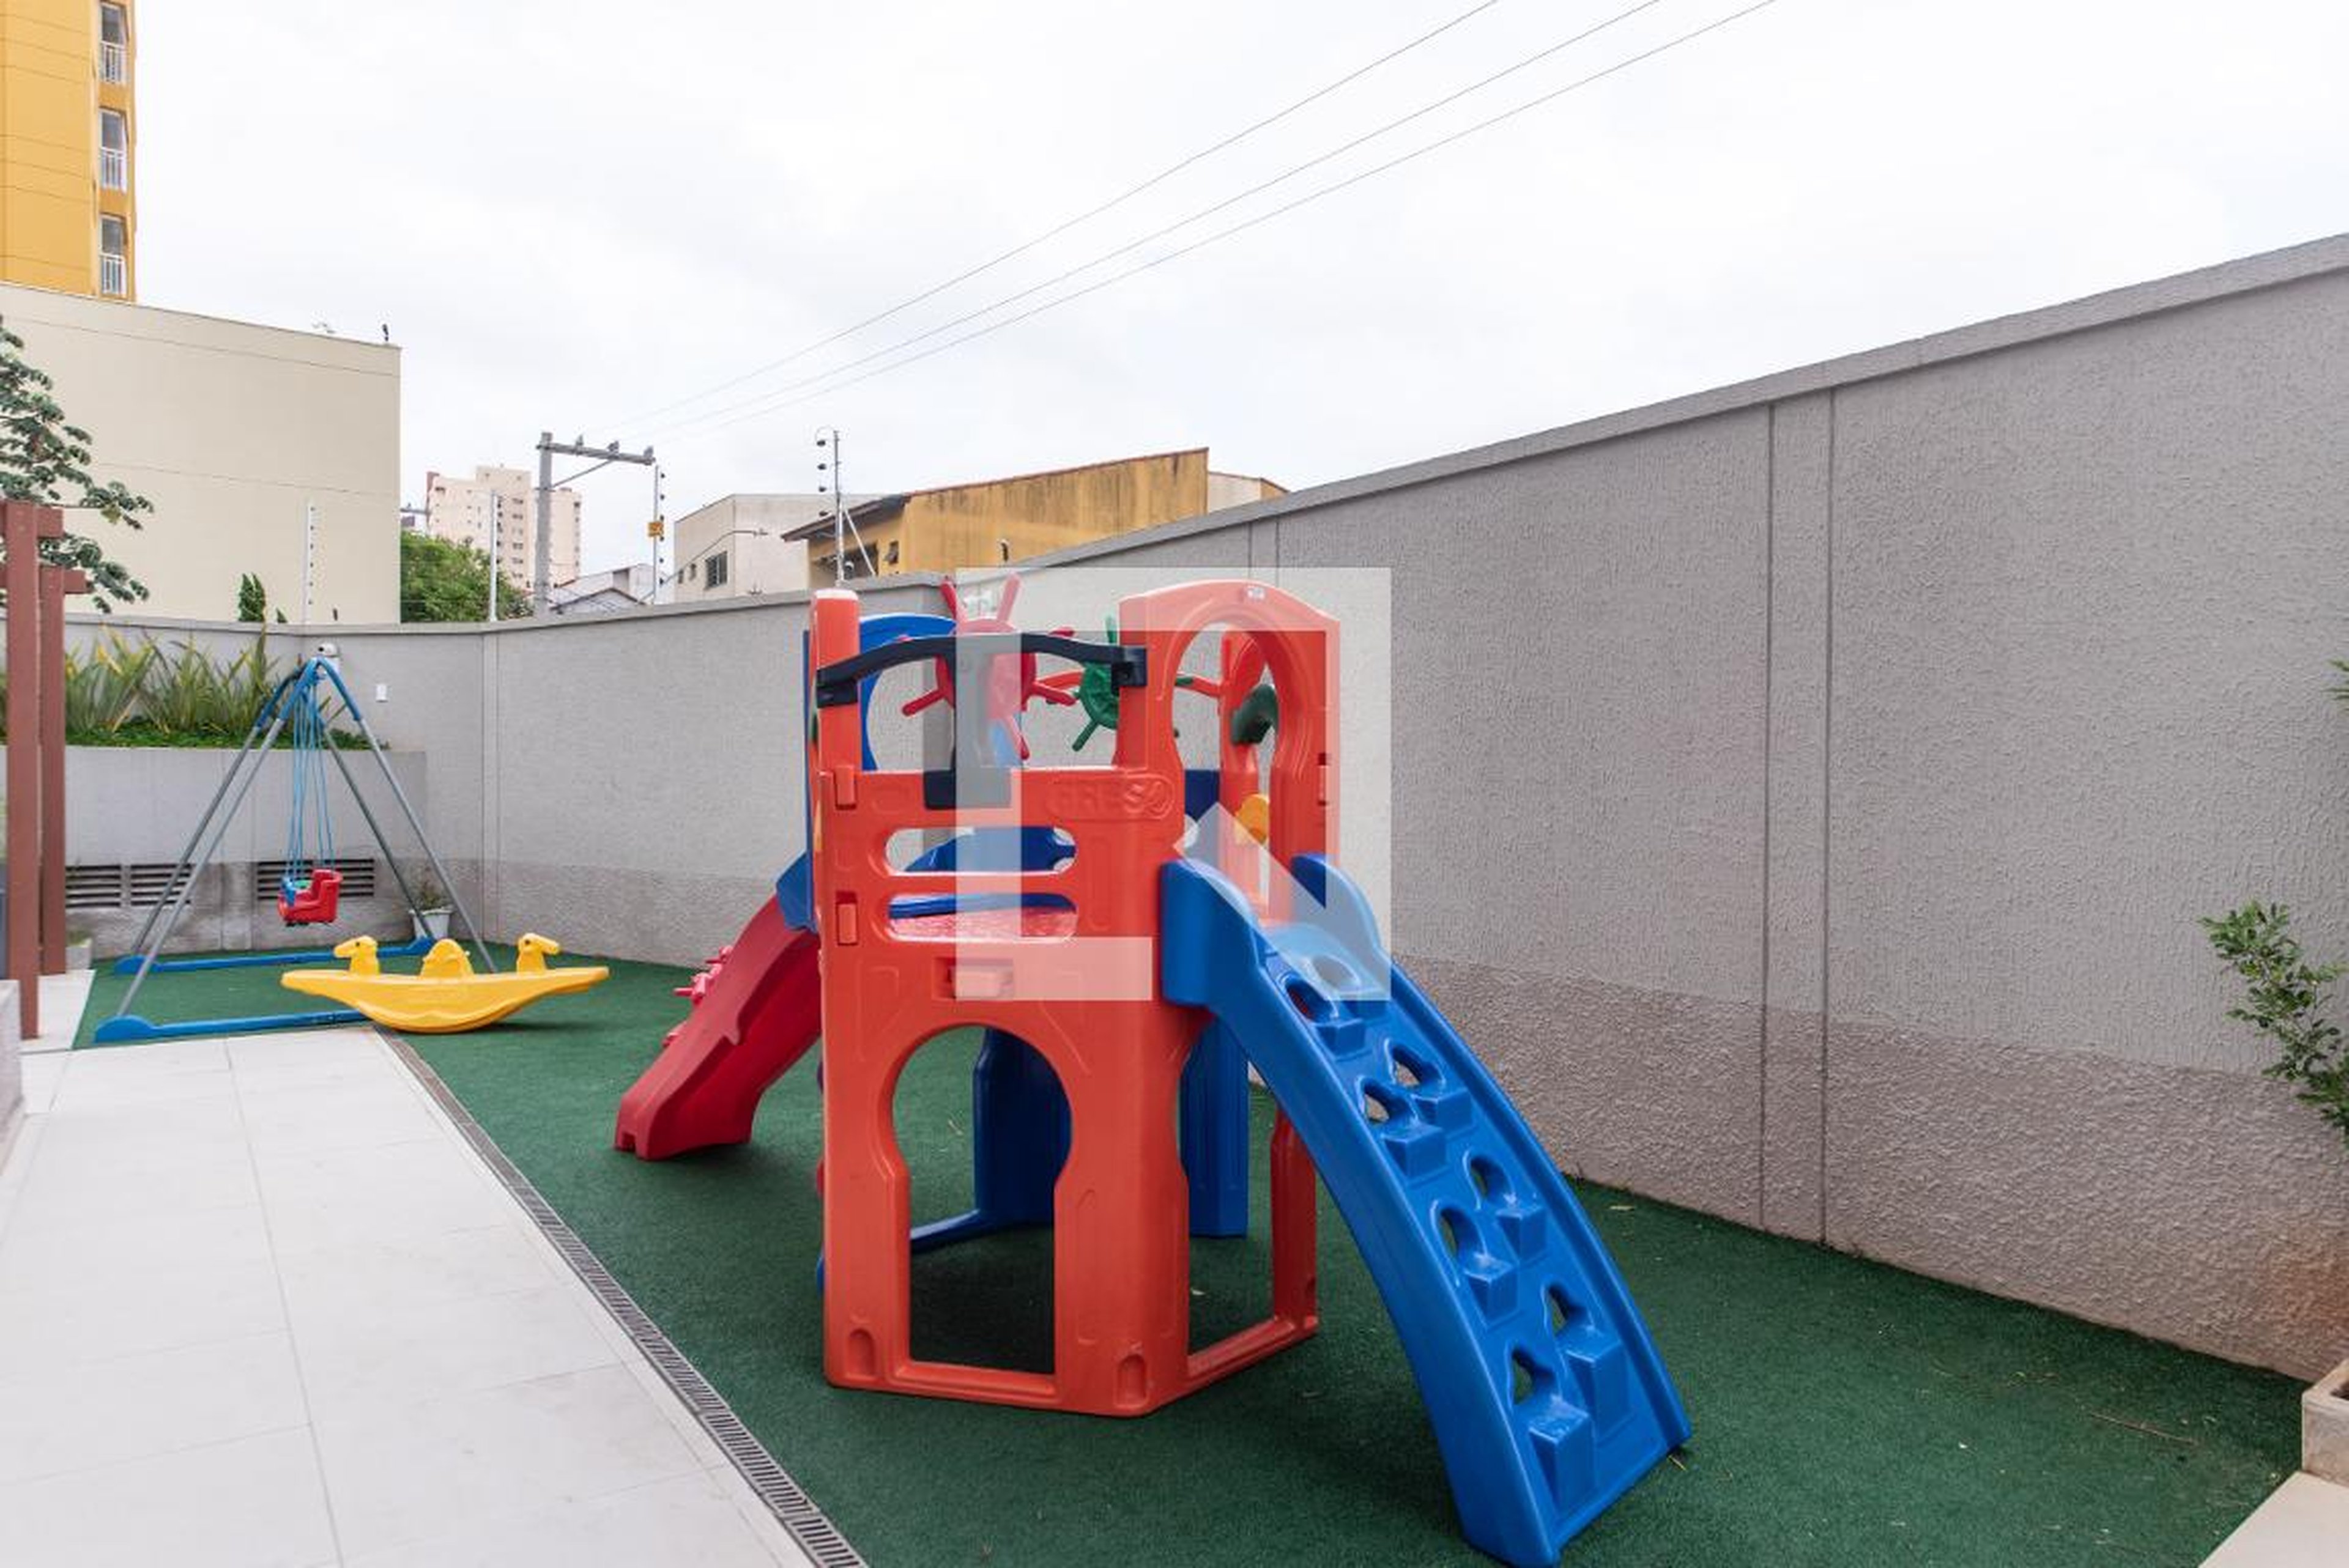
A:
<point x="1846" y="1412"/>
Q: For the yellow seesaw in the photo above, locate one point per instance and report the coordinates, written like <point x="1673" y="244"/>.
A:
<point x="444" y="997"/>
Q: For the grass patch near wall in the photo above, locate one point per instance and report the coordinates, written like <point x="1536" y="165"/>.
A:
<point x="1846" y="1413"/>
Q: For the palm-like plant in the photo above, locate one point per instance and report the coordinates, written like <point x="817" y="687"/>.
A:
<point x="186" y="694"/>
<point x="104" y="686"/>
<point x="122" y="690"/>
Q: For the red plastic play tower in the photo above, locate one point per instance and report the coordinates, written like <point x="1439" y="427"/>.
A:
<point x="1080" y="988"/>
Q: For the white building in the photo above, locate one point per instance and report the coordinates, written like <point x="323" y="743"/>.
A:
<point x="603" y="592"/>
<point x="468" y="509"/>
<point x="738" y="545"/>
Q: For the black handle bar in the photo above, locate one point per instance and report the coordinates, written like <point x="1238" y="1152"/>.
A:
<point x="836" y="685"/>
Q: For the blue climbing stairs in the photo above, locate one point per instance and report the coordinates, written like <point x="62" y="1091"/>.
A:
<point x="1547" y="1398"/>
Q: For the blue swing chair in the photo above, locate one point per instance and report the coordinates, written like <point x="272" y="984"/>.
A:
<point x="310" y="889"/>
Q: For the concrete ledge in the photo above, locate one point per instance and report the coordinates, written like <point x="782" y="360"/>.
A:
<point x="2302" y="1526"/>
<point x="2324" y="1427"/>
<point x="12" y="1071"/>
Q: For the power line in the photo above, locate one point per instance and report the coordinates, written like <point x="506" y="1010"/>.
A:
<point x="1056" y="230"/>
<point x="1245" y="224"/>
<point x="1422" y="112"/>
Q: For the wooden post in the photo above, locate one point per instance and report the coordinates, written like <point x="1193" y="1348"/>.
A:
<point x="37" y="751"/>
<point x="52" y="738"/>
<point x="56" y="582"/>
<point x="20" y="526"/>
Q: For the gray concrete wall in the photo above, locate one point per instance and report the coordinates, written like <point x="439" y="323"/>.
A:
<point x="138" y="806"/>
<point x="1802" y="792"/>
<point x="1806" y="791"/>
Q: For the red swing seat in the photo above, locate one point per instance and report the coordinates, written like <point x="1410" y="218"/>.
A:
<point x="314" y="902"/>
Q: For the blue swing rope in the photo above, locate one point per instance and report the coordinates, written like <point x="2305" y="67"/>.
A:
<point x="307" y="725"/>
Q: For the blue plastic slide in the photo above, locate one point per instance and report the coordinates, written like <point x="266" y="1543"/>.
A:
<point x="1547" y="1398"/>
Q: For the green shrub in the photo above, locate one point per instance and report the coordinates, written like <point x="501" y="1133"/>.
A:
<point x="2284" y="996"/>
<point x="2283" y="993"/>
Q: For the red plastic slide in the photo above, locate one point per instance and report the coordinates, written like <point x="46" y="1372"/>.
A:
<point x="756" y="1010"/>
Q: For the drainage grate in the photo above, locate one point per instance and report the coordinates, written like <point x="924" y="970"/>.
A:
<point x="358" y="878"/>
<point x="95" y="887"/>
<point x="785" y="1498"/>
<point x="154" y="882"/>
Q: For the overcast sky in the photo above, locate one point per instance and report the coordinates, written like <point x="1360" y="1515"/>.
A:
<point x="573" y="212"/>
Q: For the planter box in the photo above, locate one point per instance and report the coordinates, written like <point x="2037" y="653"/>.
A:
<point x="2324" y="1427"/>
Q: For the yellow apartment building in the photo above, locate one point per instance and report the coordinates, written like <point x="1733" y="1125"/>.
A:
<point x="68" y="136"/>
<point x="994" y="521"/>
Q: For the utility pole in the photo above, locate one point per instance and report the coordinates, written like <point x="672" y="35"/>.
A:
<point x="309" y="555"/>
<point x="547" y="448"/>
<point x="497" y="510"/>
<point x="656" y="529"/>
<point x="843" y="527"/>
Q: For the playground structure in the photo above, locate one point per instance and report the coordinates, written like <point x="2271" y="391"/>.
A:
<point x="1125" y="982"/>
<point x="305" y="707"/>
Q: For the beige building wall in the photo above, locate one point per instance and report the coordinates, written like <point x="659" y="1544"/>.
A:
<point x="747" y="534"/>
<point x="231" y="429"/>
<point x="1239" y="490"/>
<point x="500" y="498"/>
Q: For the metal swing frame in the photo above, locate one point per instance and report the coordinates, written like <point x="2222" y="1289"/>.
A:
<point x="301" y="686"/>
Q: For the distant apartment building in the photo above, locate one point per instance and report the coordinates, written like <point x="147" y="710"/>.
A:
<point x="985" y="523"/>
<point x="68" y="132"/>
<point x="743" y="544"/>
<point x="496" y="512"/>
<point x="246" y="438"/>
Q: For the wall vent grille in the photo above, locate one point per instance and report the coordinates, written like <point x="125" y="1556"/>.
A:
<point x="94" y="887"/>
<point x="153" y="882"/>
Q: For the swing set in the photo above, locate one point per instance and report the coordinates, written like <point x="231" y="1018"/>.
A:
<point x="305" y="709"/>
<point x="310" y="889"/>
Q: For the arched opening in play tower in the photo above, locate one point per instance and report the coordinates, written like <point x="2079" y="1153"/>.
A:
<point x="981" y="1122"/>
<point x="1230" y="1261"/>
<point x="1228" y="733"/>
<point x="1235" y="736"/>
